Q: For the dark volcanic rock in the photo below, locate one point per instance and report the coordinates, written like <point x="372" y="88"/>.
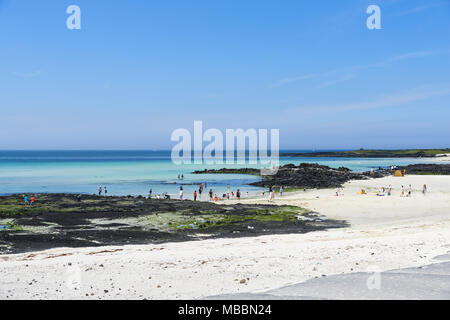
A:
<point x="405" y="153"/>
<point x="251" y="171"/>
<point x="65" y="220"/>
<point x="443" y="169"/>
<point x="307" y="175"/>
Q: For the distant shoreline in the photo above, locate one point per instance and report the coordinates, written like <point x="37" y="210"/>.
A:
<point x="362" y="153"/>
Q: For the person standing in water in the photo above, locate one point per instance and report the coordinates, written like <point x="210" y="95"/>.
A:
<point x="105" y="191"/>
<point x="210" y="195"/>
<point x="195" y="195"/>
<point x="99" y="191"/>
<point x="238" y="194"/>
<point x="181" y="193"/>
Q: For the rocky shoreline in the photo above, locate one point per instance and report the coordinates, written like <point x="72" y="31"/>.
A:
<point x="433" y="169"/>
<point x="69" y="220"/>
<point x="310" y="176"/>
<point x="362" y="153"/>
<point x="250" y="171"/>
<point x="304" y="176"/>
<point x="315" y="176"/>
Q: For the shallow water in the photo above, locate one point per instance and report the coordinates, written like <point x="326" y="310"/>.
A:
<point x="135" y="172"/>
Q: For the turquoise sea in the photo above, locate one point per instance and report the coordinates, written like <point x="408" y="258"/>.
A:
<point x="135" y="172"/>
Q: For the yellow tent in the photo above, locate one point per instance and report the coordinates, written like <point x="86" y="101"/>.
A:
<point x="398" y="173"/>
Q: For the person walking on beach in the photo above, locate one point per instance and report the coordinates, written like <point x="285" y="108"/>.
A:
<point x="271" y="194"/>
<point x="238" y="194"/>
<point x="210" y="195"/>
<point x="32" y="200"/>
<point x="424" y="190"/>
<point x="25" y="200"/>
<point x="150" y="193"/>
<point x="281" y="191"/>
<point x="99" y="191"/>
<point x="409" y="191"/>
<point x="195" y="195"/>
<point x="181" y="193"/>
<point x="402" y="193"/>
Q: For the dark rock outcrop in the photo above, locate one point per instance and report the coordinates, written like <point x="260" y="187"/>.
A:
<point x="251" y="171"/>
<point x="307" y="175"/>
<point x="438" y="169"/>
<point x="67" y="220"/>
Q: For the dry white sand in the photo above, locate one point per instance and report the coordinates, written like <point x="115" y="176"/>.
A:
<point x="445" y="157"/>
<point x="385" y="233"/>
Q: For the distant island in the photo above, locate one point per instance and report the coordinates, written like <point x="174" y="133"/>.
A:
<point x="362" y="153"/>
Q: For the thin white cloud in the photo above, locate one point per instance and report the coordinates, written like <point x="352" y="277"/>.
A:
<point x="391" y="100"/>
<point x="410" y="55"/>
<point x="27" y="75"/>
<point x="344" y="78"/>
<point x="285" y="81"/>
<point x="425" y="7"/>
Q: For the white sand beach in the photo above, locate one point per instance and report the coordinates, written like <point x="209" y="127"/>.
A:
<point x="386" y="232"/>
<point x="444" y="157"/>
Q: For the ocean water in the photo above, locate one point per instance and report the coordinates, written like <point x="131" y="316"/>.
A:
<point x="136" y="172"/>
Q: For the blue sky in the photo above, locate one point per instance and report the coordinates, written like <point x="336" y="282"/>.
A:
<point x="139" y="69"/>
